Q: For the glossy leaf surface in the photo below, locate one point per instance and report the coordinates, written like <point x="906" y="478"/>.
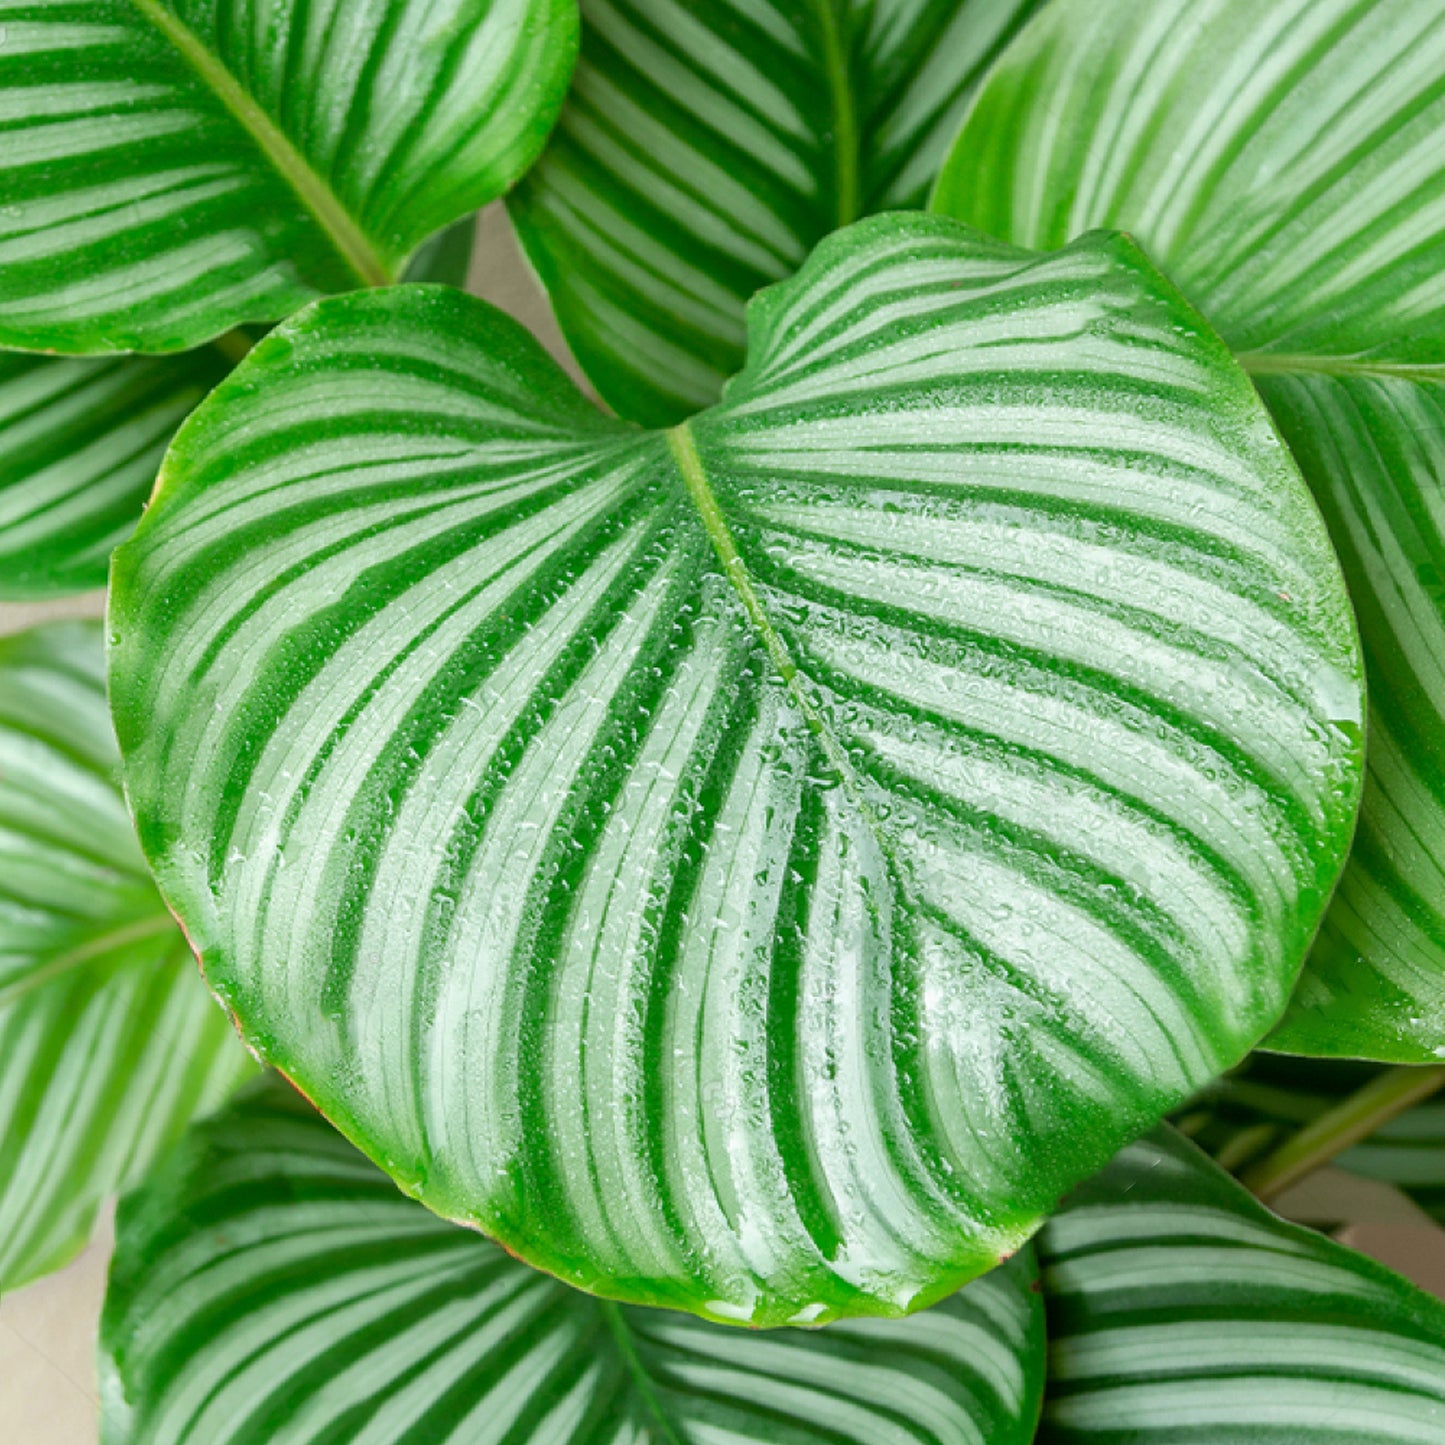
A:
<point x="271" y="1287"/>
<point x="1182" y="1312"/>
<point x="705" y="149"/>
<point x="109" y="1043"/>
<point x="174" y="168"/>
<point x="757" y="868"/>
<point x="1285" y="163"/>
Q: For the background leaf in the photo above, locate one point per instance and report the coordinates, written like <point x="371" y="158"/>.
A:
<point x="1239" y="1119"/>
<point x="670" y="839"/>
<point x="271" y="1287"/>
<point x="705" y="149"/>
<point x="81" y="441"/>
<point x="109" y="1044"/>
<point x="1285" y="163"/>
<point x="175" y="168"/>
<point x="1180" y="1310"/>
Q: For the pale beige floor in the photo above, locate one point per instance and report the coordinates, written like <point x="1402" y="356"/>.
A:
<point x="48" y="1392"/>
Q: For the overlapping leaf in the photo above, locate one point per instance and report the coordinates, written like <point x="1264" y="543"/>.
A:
<point x="706" y="148"/>
<point x="270" y="1287"/>
<point x="109" y="1043"/>
<point x="1284" y="161"/>
<point x="81" y="440"/>
<point x="80" y="443"/>
<point x="1243" y="1117"/>
<point x="174" y="168"/>
<point x="757" y="868"/>
<point x="1182" y="1311"/>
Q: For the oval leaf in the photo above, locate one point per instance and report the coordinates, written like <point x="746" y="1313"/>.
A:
<point x="1182" y="1312"/>
<point x="756" y="868"/>
<point x="109" y="1044"/>
<point x="1373" y="449"/>
<point x="1285" y="163"/>
<point x="705" y="150"/>
<point x="270" y="1287"/>
<point x="174" y="168"/>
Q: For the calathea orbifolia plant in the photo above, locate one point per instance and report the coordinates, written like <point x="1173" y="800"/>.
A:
<point x="757" y="853"/>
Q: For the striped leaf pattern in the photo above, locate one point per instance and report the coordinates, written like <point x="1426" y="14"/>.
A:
<point x="705" y="148"/>
<point x="1281" y="160"/>
<point x="174" y="168"/>
<point x="758" y="868"/>
<point x="1373" y="449"/>
<point x="271" y="1287"/>
<point x="1284" y="161"/>
<point x="1182" y="1312"/>
<point x="109" y="1044"/>
<point x="81" y="440"/>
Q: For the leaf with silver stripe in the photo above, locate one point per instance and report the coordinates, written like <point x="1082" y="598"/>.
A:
<point x="81" y="440"/>
<point x="175" y="168"/>
<point x="755" y="869"/>
<point x="109" y="1044"/>
<point x="1284" y="162"/>
<point x="1182" y="1312"/>
<point x="271" y="1287"/>
<point x="705" y="148"/>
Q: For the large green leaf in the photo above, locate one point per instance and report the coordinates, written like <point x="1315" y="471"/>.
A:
<point x="1182" y="1312"/>
<point x="1284" y="161"/>
<point x="109" y="1043"/>
<point x="755" y="868"/>
<point x="270" y="1287"/>
<point x="176" y="167"/>
<point x="81" y="440"/>
<point x="706" y="149"/>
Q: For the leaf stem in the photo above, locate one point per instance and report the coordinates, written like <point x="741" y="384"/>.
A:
<point x="641" y="1380"/>
<point x="1356" y="1118"/>
<point x="845" y="117"/>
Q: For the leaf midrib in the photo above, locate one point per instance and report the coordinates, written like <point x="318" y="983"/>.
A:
<point x="82" y="953"/>
<point x="642" y="1382"/>
<point x="311" y="190"/>
<point x="683" y="446"/>
<point x="1269" y="363"/>
<point x="845" y="117"/>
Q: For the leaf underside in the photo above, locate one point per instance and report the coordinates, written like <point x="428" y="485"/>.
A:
<point x="174" y="168"/>
<point x="754" y="869"/>
<point x="1182" y="1312"/>
<point x="271" y="1287"/>
<point x="1285" y="164"/>
<point x="109" y="1044"/>
<point x="705" y="150"/>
